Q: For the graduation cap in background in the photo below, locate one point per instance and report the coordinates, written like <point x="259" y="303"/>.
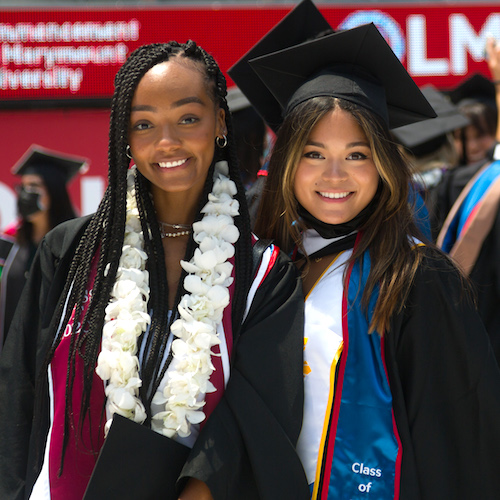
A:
<point x="427" y="136"/>
<point x="38" y="160"/>
<point x="302" y="23"/>
<point x="476" y="88"/>
<point x="356" y="64"/>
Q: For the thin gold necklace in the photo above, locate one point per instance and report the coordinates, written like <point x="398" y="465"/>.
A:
<point x="167" y="234"/>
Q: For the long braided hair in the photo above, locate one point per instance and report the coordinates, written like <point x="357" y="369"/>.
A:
<point x="104" y="236"/>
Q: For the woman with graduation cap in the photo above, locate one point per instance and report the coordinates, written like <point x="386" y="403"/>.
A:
<point x="43" y="202"/>
<point x="402" y="391"/>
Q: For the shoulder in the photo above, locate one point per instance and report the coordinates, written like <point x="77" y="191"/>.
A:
<point x="65" y="236"/>
<point x="270" y="262"/>
<point x="434" y="264"/>
<point x="438" y="285"/>
<point x="275" y="281"/>
<point x="454" y="180"/>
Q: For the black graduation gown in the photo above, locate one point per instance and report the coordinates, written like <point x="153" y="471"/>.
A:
<point x="18" y="259"/>
<point x="246" y="448"/>
<point x="486" y="272"/>
<point x="446" y="390"/>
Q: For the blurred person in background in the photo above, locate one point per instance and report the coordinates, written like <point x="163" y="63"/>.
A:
<point x="454" y="182"/>
<point x="430" y="148"/>
<point x="43" y="202"/>
<point x="468" y="201"/>
<point x="475" y="97"/>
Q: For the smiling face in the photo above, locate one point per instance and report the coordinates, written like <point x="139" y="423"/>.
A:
<point x="336" y="176"/>
<point x="477" y="143"/>
<point x="173" y="126"/>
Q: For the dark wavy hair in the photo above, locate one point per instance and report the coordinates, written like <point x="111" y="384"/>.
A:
<point x="105" y="234"/>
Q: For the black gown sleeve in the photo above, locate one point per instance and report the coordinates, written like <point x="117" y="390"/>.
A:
<point x="446" y="389"/>
<point x="246" y="450"/>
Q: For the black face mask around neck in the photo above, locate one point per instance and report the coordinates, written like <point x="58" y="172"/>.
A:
<point x="329" y="231"/>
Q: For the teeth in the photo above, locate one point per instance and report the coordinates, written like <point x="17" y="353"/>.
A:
<point x="171" y="164"/>
<point x="335" y="195"/>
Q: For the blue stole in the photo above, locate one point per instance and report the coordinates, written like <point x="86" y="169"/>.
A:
<point x="362" y="456"/>
<point x="469" y="206"/>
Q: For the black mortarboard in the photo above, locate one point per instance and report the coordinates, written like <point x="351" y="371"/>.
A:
<point x="300" y="24"/>
<point x="136" y="462"/>
<point x="422" y="136"/>
<point x="38" y="159"/>
<point x="356" y="64"/>
<point x="476" y="88"/>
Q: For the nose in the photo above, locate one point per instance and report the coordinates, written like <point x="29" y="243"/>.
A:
<point x="334" y="169"/>
<point x="168" y="137"/>
<point x="473" y="144"/>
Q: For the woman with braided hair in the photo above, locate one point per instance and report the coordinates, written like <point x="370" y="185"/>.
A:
<point x="157" y="308"/>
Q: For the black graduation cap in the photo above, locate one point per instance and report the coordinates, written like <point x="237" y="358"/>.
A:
<point x="37" y="160"/>
<point x="136" y="462"/>
<point x="476" y="88"/>
<point x="356" y="64"/>
<point x="425" y="136"/>
<point x="302" y="23"/>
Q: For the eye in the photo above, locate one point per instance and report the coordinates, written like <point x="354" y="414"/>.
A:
<point x="357" y="156"/>
<point x="142" y="125"/>
<point x="189" y="120"/>
<point x="313" y="155"/>
<point x="30" y="188"/>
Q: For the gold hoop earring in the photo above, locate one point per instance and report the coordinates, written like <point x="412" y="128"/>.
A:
<point x="221" y="141"/>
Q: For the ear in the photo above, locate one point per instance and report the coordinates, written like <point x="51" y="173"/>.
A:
<point x="221" y="127"/>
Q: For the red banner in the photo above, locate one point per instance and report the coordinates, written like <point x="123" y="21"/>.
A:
<point x="75" y="53"/>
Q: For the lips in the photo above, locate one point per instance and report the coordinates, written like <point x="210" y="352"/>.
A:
<point x="172" y="164"/>
<point x="335" y="196"/>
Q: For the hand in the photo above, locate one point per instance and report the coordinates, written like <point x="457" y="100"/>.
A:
<point x="195" y="490"/>
<point x="493" y="58"/>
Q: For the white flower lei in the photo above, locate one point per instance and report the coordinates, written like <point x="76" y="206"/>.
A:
<point x="200" y="311"/>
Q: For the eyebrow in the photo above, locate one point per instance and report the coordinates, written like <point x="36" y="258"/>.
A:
<point x="188" y="100"/>
<point x="350" y="145"/>
<point x="176" y="104"/>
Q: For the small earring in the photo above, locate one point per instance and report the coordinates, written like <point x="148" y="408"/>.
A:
<point x="128" y="152"/>
<point x="221" y="141"/>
